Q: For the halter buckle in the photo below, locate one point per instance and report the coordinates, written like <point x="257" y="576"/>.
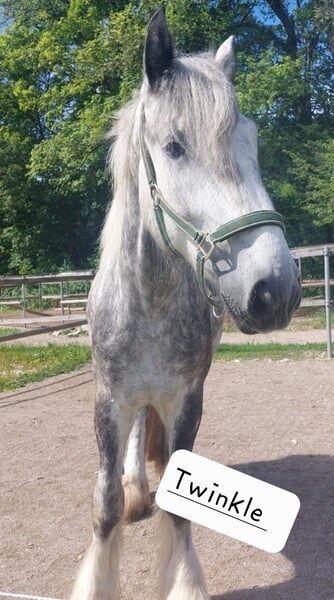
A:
<point x="206" y="251"/>
<point x="154" y="192"/>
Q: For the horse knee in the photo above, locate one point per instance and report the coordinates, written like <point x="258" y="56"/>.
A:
<point x="187" y="423"/>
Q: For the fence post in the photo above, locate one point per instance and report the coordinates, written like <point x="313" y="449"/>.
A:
<point x="300" y="269"/>
<point x="328" y="301"/>
<point x="62" y="296"/>
<point x="23" y="300"/>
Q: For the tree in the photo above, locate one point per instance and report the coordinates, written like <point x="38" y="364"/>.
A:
<point x="289" y="91"/>
<point x="53" y="184"/>
<point x="67" y="65"/>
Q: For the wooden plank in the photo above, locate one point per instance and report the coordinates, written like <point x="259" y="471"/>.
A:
<point x="75" y="296"/>
<point x="36" y="321"/>
<point x="309" y="283"/>
<point x="10" y="302"/>
<point x="74" y="301"/>
<point x="23" y="334"/>
<point x="59" y="297"/>
<point x="5" y="298"/>
<point x="14" y="281"/>
<point x="312" y="302"/>
<point x="309" y="251"/>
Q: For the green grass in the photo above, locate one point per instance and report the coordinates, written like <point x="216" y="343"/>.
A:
<point x="9" y="330"/>
<point x="22" y="364"/>
<point x="274" y="351"/>
<point x="306" y="322"/>
<point x="5" y="310"/>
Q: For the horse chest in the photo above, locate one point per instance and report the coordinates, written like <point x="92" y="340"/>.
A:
<point x="150" y="352"/>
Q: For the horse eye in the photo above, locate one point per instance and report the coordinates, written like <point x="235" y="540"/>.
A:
<point x="174" y="149"/>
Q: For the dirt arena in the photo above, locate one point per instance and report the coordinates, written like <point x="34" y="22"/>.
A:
<point x="273" y="420"/>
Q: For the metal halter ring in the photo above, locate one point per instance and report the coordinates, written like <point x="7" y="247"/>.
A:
<point x="208" y="240"/>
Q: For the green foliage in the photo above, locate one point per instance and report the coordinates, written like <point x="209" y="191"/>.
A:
<point x="268" y="87"/>
<point x="8" y="331"/>
<point x="67" y="65"/>
<point x="297" y="162"/>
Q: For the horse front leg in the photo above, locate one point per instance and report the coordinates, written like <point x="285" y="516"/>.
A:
<point x="98" y="577"/>
<point x="135" y="483"/>
<point x="181" y="576"/>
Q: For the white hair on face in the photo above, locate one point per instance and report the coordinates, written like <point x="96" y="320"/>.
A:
<point x="195" y="100"/>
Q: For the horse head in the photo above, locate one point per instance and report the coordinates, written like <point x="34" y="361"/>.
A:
<point x="199" y="157"/>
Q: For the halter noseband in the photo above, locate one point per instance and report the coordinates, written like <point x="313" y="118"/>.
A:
<point x="204" y="242"/>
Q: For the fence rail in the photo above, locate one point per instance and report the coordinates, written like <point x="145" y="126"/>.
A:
<point x="310" y="251"/>
<point x="40" y="330"/>
<point x="16" y="280"/>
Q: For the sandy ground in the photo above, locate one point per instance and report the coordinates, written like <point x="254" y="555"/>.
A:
<point x="273" y="420"/>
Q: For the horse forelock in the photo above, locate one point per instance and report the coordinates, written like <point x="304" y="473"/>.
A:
<point x="196" y="99"/>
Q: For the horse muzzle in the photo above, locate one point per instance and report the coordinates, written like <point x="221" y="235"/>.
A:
<point x="270" y="306"/>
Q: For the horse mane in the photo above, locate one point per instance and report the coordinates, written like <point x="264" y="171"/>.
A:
<point x="195" y="96"/>
<point x="122" y="163"/>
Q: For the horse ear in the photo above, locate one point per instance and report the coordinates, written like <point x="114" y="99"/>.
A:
<point x="159" y="52"/>
<point x="225" y="57"/>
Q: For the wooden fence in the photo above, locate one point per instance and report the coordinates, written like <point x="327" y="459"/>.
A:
<point x="43" y="322"/>
<point x="325" y="251"/>
<point x="46" y="324"/>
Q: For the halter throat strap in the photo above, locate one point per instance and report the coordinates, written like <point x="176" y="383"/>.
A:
<point x="205" y="242"/>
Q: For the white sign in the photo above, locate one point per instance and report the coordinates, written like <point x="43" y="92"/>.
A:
<point x="227" y="501"/>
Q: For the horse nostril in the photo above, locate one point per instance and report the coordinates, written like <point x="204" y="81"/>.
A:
<point x="264" y="298"/>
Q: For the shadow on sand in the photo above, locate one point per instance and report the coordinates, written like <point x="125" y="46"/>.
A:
<point x="311" y="544"/>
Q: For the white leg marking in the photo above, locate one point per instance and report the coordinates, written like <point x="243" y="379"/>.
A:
<point x="136" y="490"/>
<point x="181" y="576"/>
<point x="98" y="577"/>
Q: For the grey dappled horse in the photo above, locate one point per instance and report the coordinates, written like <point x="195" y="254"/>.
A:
<point x="184" y="164"/>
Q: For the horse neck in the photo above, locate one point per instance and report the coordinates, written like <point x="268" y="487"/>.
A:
<point x="158" y="274"/>
<point x="132" y="249"/>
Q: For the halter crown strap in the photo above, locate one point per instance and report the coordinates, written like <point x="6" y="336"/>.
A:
<point x="205" y="242"/>
<point x="159" y="203"/>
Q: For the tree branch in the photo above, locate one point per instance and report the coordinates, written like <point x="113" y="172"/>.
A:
<point x="288" y="23"/>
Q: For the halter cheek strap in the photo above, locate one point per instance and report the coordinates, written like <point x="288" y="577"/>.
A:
<point x="204" y="242"/>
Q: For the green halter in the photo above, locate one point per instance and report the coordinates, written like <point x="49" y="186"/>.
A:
<point x="204" y="242"/>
